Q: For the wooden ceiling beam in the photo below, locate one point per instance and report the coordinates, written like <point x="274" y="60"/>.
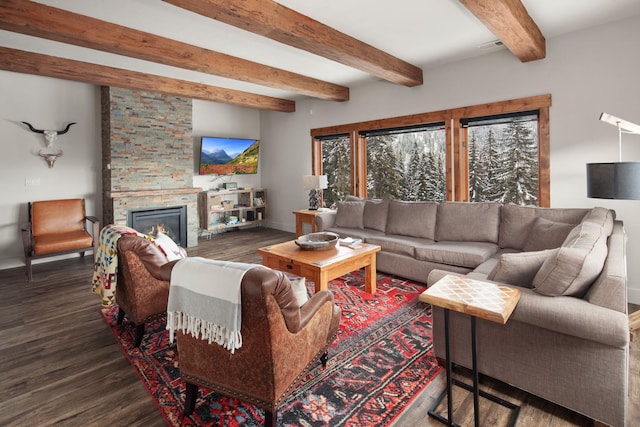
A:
<point x="511" y="23"/>
<point x="51" y="66"/>
<point x="47" y="22"/>
<point x="277" y="22"/>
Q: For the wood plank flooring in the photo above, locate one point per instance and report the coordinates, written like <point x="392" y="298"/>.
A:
<point x="61" y="365"/>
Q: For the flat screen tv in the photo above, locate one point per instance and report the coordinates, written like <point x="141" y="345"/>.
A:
<point x="228" y="155"/>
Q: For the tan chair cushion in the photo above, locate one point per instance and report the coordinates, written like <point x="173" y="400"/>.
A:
<point x="57" y="217"/>
<point x="57" y="242"/>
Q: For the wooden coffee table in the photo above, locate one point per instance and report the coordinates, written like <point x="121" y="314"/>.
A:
<point x="322" y="266"/>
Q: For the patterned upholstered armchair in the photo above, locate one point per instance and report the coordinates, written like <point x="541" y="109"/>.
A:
<point x="280" y="342"/>
<point x="143" y="282"/>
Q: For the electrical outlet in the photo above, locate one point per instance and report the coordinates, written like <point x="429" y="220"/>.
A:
<point x="31" y="182"/>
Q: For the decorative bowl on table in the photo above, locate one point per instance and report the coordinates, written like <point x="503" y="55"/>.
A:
<point x="317" y="241"/>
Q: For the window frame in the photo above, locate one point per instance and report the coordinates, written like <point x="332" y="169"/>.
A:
<point x="456" y="157"/>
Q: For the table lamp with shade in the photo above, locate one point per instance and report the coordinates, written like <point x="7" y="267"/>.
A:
<point x="315" y="184"/>
<point x="616" y="180"/>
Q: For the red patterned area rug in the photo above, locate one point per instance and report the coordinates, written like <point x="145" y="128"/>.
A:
<point x="381" y="360"/>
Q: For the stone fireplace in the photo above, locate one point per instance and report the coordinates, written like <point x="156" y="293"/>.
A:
<point x="147" y="157"/>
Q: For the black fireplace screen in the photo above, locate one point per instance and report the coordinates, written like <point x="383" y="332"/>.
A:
<point x="171" y="221"/>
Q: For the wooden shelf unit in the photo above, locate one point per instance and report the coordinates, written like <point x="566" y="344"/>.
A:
<point x="216" y="208"/>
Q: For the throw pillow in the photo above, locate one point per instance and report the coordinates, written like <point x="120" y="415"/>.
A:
<point x="519" y="268"/>
<point x="601" y="216"/>
<point x="572" y="269"/>
<point x="375" y="214"/>
<point x="299" y="288"/>
<point x="168" y="247"/>
<point x="350" y="214"/>
<point x="546" y="234"/>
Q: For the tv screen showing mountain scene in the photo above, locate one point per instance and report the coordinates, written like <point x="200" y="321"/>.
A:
<point x="228" y="155"/>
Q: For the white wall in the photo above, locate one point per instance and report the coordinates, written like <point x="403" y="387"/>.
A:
<point x="47" y="104"/>
<point x="586" y="73"/>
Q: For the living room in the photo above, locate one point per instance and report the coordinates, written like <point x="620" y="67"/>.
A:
<point x="586" y="72"/>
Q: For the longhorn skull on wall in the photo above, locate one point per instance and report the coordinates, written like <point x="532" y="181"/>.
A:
<point x="50" y="157"/>
<point x="49" y="135"/>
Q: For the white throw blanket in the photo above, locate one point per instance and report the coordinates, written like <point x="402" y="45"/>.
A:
<point x="205" y="300"/>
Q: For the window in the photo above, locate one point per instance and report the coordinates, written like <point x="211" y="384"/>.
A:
<point x="497" y="151"/>
<point x="503" y="158"/>
<point x="336" y="164"/>
<point x="406" y="163"/>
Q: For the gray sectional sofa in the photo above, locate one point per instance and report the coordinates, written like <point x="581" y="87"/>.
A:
<point x="567" y="341"/>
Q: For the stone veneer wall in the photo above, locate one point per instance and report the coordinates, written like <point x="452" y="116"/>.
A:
<point x="147" y="155"/>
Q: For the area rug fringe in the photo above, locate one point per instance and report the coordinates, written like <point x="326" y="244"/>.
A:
<point x="197" y="328"/>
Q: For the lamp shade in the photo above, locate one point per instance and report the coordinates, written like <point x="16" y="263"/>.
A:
<point x="620" y="180"/>
<point x="315" y="182"/>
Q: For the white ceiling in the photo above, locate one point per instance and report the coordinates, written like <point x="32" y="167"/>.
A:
<point x="422" y="32"/>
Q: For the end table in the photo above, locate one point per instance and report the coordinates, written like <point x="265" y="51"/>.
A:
<point x="478" y="299"/>
<point x="308" y="216"/>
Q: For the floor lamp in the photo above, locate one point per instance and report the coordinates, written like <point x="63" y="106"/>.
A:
<point x="315" y="184"/>
<point x="617" y="180"/>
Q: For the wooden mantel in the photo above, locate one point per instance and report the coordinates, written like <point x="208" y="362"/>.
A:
<point x="150" y="193"/>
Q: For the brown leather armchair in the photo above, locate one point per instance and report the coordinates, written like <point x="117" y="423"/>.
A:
<point x="280" y="342"/>
<point x="142" y="289"/>
<point x="58" y="227"/>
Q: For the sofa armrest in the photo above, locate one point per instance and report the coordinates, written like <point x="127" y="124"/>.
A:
<point x="437" y="274"/>
<point x="563" y="314"/>
<point x="326" y="220"/>
<point x="573" y="316"/>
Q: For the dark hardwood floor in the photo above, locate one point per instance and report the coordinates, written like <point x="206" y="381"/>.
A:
<point x="61" y="365"/>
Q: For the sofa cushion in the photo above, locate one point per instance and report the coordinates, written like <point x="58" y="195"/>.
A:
<point x="516" y="222"/>
<point x="417" y="219"/>
<point x="350" y="214"/>
<point x="375" y="214"/>
<point x="572" y="269"/>
<point x="468" y="222"/>
<point x="602" y="217"/>
<point x="546" y="234"/>
<point x="519" y="268"/>
<point x="402" y="245"/>
<point x="463" y="254"/>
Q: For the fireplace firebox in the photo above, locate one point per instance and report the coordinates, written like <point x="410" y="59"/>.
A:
<point x="171" y="221"/>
